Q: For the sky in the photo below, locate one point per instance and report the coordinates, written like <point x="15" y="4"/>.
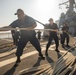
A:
<point x="40" y="10"/>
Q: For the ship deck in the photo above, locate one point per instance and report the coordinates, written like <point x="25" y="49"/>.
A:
<point x="30" y="59"/>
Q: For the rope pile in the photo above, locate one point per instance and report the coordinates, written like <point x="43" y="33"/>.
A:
<point x="6" y="46"/>
<point x="66" y="65"/>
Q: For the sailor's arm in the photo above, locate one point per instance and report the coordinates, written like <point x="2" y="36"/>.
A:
<point x="56" y="30"/>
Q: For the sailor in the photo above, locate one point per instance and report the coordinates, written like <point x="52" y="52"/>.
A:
<point x="39" y="35"/>
<point x="65" y="35"/>
<point x="52" y="36"/>
<point x="28" y="23"/>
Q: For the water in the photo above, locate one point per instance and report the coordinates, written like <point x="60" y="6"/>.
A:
<point x="5" y="35"/>
<point x="9" y="35"/>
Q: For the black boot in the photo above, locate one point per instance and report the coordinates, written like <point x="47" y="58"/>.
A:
<point x="68" y="46"/>
<point x="63" y="46"/>
<point x="17" y="62"/>
<point x="57" y="50"/>
<point x="41" y="56"/>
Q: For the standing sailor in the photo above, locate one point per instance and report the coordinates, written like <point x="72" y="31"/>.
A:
<point x="65" y="35"/>
<point x="52" y="36"/>
<point x="28" y="23"/>
<point x="39" y="35"/>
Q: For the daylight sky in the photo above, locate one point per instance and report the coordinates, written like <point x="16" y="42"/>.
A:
<point x="40" y="10"/>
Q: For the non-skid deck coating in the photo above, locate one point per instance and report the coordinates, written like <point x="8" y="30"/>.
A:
<point x="30" y="59"/>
